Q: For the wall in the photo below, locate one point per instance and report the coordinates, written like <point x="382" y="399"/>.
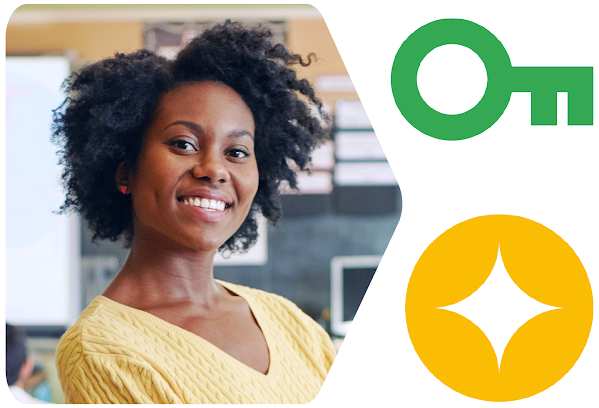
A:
<point x="300" y="250"/>
<point x="90" y="41"/>
<point x="93" y="40"/>
<point x="305" y="36"/>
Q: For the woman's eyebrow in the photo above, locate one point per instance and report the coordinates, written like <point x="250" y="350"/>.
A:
<point x="241" y="133"/>
<point x="191" y="125"/>
<point x="198" y="128"/>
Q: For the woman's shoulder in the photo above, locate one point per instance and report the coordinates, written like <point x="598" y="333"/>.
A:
<point x="108" y="353"/>
<point x="92" y="318"/>
<point x="105" y="327"/>
<point x="280" y="311"/>
<point x="101" y="318"/>
<point x="266" y="300"/>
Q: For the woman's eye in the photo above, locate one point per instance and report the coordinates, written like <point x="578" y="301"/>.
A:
<point x="238" y="153"/>
<point x="183" y="145"/>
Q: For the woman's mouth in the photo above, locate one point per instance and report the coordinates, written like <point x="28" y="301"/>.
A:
<point x="205" y="203"/>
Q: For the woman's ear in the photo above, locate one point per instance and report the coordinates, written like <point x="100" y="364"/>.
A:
<point x="122" y="178"/>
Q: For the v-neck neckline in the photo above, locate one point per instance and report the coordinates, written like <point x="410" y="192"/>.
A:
<point x="273" y="364"/>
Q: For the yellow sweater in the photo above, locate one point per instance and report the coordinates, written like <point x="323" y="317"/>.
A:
<point x="118" y="354"/>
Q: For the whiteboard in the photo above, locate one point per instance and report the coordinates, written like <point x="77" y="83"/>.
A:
<point x="41" y="247"/>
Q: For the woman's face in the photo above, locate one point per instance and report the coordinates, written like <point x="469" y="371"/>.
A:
<point x="197" y="176"/>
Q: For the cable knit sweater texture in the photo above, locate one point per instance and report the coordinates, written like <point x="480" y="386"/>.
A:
<point x="118" y="354"/>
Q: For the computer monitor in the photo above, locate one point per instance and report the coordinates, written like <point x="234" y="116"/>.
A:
<point x="350" y="277"/>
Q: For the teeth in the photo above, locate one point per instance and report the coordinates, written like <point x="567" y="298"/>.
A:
<point x="205" y="203"/>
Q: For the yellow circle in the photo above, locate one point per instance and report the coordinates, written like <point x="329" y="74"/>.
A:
<point x="542" y="350"/>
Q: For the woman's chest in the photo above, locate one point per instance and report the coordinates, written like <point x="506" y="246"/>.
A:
<point x="233" y="330"/>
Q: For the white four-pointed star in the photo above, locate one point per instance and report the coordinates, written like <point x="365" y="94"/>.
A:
<point x="499" y="307"/>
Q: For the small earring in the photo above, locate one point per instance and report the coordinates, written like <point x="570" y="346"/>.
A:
<point x="124" y="189"/>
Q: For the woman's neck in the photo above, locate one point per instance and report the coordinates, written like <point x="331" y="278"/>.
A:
<point x="158" y="273"/>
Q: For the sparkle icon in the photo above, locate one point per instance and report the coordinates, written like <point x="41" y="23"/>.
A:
<point x="499" y="307"/>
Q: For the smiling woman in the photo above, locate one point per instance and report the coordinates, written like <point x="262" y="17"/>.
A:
<point x="177" y="158"/>
<point x="198" y="148"/>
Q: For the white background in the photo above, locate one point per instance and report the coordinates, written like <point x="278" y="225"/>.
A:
<point x="545" y="173"/>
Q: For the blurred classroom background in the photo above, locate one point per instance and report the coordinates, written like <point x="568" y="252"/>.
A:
<point x="321" y="256"/>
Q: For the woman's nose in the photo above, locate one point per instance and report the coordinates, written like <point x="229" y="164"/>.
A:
<point x="211" y="167"/>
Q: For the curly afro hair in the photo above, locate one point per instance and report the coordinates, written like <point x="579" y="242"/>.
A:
<point x="111" y="104"/>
